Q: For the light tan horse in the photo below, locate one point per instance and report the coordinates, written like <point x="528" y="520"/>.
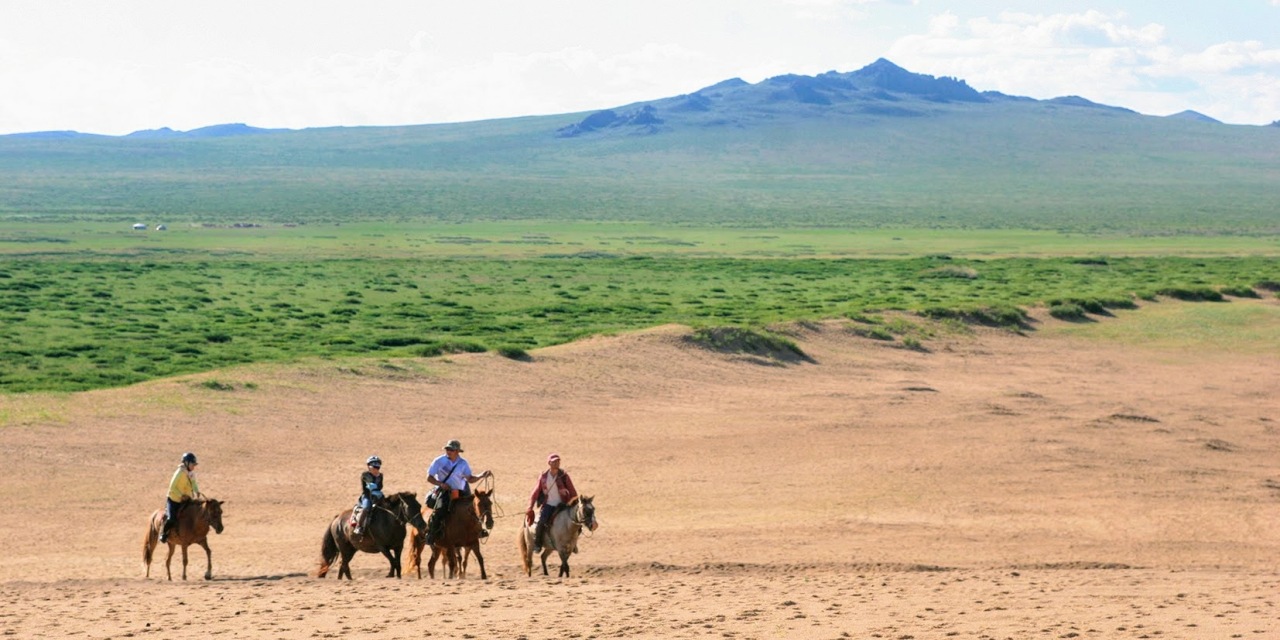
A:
<point x="562" y="535"/>
<point x="195" y="519"/>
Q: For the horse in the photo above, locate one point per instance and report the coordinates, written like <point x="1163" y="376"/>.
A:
<point x="384" y="533"/>
<point x="461" y="531"/>
<point x="566" y="526"/>
<point x="195" y="518"/>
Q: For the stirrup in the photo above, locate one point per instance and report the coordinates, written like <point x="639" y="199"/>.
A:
<point x="484" y="533"/>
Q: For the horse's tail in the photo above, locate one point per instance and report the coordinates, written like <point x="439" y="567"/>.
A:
<point x="149" y="542"/>
<point x="415" y="549"/>
<point x="526" y="558"/>
<point x="328" y="551"/>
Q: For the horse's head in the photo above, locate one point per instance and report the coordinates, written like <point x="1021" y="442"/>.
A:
<point x="408" y="510"/>
<point x="586" y="513"/>
<point x="213" y="512"/>
<point x="484" y="507"/>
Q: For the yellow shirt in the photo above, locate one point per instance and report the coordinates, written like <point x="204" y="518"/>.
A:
<point x="182" y="486"/>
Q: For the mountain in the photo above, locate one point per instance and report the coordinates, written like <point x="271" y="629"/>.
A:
<point x="876" y="147"/>
<point x="881" y="88"/>
<point x="213" y="131"/>
<point x="1195" y="116"/>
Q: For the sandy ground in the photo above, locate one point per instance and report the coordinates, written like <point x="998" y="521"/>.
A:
<point x="997" y="486"/>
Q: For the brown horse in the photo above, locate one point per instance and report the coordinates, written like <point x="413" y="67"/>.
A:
<point x="562" y="535"/>
<point x="383" y="533"/>
<point x="195" y="518"/>
<point x="461" y="531"/>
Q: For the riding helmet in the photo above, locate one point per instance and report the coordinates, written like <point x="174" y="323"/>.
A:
<point x="189" y="458"/>
<point x="374" y="461"/>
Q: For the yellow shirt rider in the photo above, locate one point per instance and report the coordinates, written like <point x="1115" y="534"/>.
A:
<point x="182" y="488"/>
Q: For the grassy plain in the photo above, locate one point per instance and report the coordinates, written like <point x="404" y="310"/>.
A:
<point x="405" y="241"/>
<point x="91" y="305"/>
<point x="540" y="239"/>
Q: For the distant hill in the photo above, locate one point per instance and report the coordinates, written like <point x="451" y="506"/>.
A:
<point x="213" y="131"/>
<point x="1195" y="116"/>
<point x="876" y="147"/>
<point x="881" y="88"/>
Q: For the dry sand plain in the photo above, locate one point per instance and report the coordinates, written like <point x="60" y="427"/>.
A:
<point x="997" y="486"/>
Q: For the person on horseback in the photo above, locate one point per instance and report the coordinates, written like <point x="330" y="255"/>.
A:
<point x="451" y="476"/>
<point x="182" y="488"/>
<point x="370" y="492"/>
<point x="554" y="489"/>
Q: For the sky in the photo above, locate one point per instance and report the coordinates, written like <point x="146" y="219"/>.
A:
<point x="117" y="66"/>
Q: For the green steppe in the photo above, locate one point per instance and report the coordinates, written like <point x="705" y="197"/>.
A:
<point x="419" y="241"/>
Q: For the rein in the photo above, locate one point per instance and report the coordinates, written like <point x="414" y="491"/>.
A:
<point x="398" y="514"/>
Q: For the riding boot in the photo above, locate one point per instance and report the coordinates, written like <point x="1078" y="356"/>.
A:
<point x="434" y="525"/>
<point x="538" y="533"/>
<point x="164" y="532"/>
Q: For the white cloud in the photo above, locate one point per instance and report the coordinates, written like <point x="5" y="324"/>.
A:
<point x="1103" y="57"/>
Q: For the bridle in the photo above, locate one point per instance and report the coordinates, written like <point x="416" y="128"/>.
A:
<point x="583" y="515"/>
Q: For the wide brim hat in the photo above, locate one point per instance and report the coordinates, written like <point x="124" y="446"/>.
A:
<point x="453" y="444"/>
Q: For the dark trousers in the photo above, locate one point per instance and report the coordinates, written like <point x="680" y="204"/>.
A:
<point x="170" y="515"/>
<point x="544" y="523"/>
<point x="443" y="503"/>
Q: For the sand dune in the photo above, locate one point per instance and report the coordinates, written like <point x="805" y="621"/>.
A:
<point x="999" y="485"/>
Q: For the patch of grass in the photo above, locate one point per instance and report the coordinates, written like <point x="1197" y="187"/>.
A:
<point x="1197" y="329"/>
<point x="1007" y="316"/>
<point x="216" y="385"/>
<point x="1192" y="294"/>
<point x="731" y="339"/>
<point x="513" y="353"/>
<point x="872" y="332"/>
<point x="1239" y="291"/>
<point x="1068" y="311"/>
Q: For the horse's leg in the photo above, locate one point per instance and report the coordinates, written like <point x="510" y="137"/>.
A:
<point x="347" y="552"/>
<point x="208" y="557"/>
<point x="545" y="552"/>
<point x="184" y="561"/>
<point x="564" y="564"/>
<point x="168" y="559"/>
<point x="431" y="564"/>
<point x="386" y="553"/>
<point x="475" y="549"/>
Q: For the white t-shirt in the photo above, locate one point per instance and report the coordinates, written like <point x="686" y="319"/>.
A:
<point x="441" y="466"/>
<point x="553" y="493"/>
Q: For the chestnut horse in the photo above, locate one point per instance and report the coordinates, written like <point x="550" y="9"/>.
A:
<point x="562" y="535"/>
<point x="383" y="533"/>
<point x="195" y="518"/>
<point x="461" y="531"/>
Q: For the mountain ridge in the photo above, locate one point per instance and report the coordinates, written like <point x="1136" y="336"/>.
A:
<point x="876" y="87"/>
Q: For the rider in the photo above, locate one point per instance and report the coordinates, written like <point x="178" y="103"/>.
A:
<point x="182" y="488"/>
<point x="554" y="488"/>
<point x="370" y="492"/>
<point x="450" y="474"/>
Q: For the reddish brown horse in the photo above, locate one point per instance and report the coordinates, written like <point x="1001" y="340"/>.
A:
<point x="461" y="531"/>
<point x="195" y="518"/>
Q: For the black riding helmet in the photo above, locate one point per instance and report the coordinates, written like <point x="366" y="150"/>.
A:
<point x="189" y="458"/>
<point x="374" y="461"/>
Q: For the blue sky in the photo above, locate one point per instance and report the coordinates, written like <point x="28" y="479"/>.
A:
<point x="116" y="66"/>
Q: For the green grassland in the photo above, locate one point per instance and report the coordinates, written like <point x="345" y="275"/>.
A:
<point x="536" y="239"/>
<point x="72" y="324"/>
<point x="417" y="241"/>
<point x="995" y="166"/>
